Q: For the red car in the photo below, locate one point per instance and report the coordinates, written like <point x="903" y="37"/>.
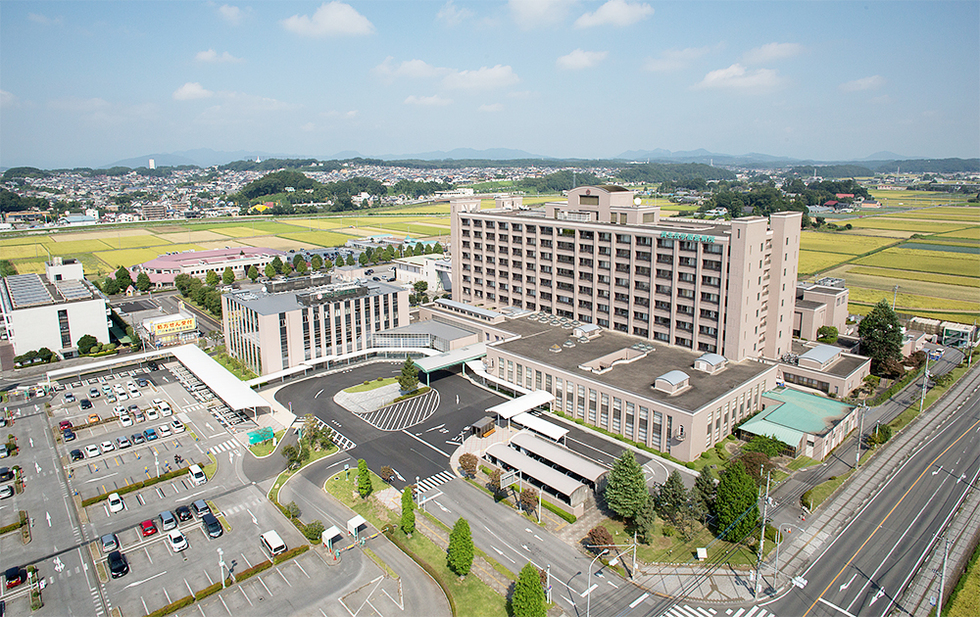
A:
<point x="148" y="528"/>
<point x="14" y="577"/>
<point x="64" y="424"/>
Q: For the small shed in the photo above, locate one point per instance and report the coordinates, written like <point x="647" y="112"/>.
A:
<point x="483" y="427"/>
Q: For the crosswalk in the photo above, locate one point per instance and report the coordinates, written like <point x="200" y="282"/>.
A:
<point x="225" y="446"/>
<point x="433" y="481"/>
<point x="684" y="610"/>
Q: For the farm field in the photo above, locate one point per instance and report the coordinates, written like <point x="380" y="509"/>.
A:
<point x="812" y="262"/>
<point x="840" y="243"/>
<point x="916" y="199"/>
<point x="911" y="225"/>
<point x="960" y="264"/>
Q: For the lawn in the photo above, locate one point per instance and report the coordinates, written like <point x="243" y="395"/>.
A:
<point x="880" y="222"/>
<point x="814" y="261"/>
<point x="371" y="385"/>
<point x="802" y="462"/>
<point x="961" y="264"/>
<point x="816" y="241"/>
<point x="266" y="448"/>
<point x="965" y="600"/>
<point x="822" y="491"/>
<point x="673" y="549"/>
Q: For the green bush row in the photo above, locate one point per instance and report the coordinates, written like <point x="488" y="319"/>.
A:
<point x="250" y="572"/>
<point x="418" y="392"/>
<point x="293" y="552"/>
<point x="623" y="439"/>
<point x="210" y="590"/>
<point x="174" y="606"/>
<point x="895" y="387"/>
<point x="15" y="526"/>
<point x="567" y="516"/>
<point x="135" y="486"/>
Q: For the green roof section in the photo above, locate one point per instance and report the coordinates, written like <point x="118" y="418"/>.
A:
<point x="795" y="415"/>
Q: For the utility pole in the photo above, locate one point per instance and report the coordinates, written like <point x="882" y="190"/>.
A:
<point x="762" y="537"/>
<point x="942" y="579"/>
<point x="857" y="455"/>
<point x="895" y="297"/>
<point x="925" y="382"/>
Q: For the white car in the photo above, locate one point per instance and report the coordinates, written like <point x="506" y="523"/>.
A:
<point x="115" y="503"/>
<point x="164" y="430"/>
<point x="152" y="414"/>
<point x="177" y="540"/>
<point x="107" y="446"/>
<point x="126" y="419"/>
<point x="177" y="426"/>
<point x="120" y="390"/>
<point x="165" y="409"/>
<point x="119" y="410"/>
<point x="92" y="450"/>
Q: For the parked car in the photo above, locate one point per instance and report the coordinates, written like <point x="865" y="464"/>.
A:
<point x="150" y="434"/>
<point x="137" y="438"/>
<point x="64" y="424"/>
<point x="168" y="520"/>
<point x="76" y="455"/>
<point x="164" y="430"/>
<point x="86" y="404"/>
<point x="212" y="525"/>
<point x="6" y="474"/>
<point x="123" y="442"/>
<point x="152" y="365"/>
<point x="183" y="513"/>
<point x="109" y="542"/>
<point x="177" y="540"/>
<point x="68" y="435"/>
<point x="177" y="426"/>
<point x="111" y="397"/>
<point x="201" y="508"/>
<point x="69" y="397"/>
<point x="142" y="382"/>
<point x="106" y="389"/>
<point x="148" y="528"/>
<point x="94" y="392"/>
<point x="92" y="450"/>
<point x="93" y="418"/>
<point x="139" y="416"/>
<point x="152" y="414"/>
<point x="107" y="446"/>
<point x="117" y="564"/>
<point x="6" y="491"/>
<point x="119" y="410"/>
<point x="115" y="503"/>
<point x="126" y="420"/>
<point x="14" y="577"/>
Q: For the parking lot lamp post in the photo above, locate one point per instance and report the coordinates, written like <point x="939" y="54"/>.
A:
<point x="156" y="460"/>
<point x="588" y="585"/>
<point x="221" y="564"/>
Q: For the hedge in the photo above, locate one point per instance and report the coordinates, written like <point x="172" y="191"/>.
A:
<point x="419" y="392"/>
<point x="135" y="486"/>
<point x="172" y="607"/>
<point x="212" y="589"/>
<point x="15" y="526"/>
<point x="250" y="572"/>
<point x="293" y="552"/>
<point x="895" y="387"/>
<point x="568" y="516"/>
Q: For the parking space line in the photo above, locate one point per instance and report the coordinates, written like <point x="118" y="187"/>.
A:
<point x="301" y="569"/>
<point x="223" y="604"/>
<point x="145" y="550"/>
<point x="145" y="610"/>
<point x="284" y="578"/>
<point x="189" y="590"/>
<point x="166" y="594"/>
<point x="210" y="582"/>
<point x="264" y="585"/>
<point x="246" y="560"/>
<point x="242" y="589"/>
<point x="200" y="608"/>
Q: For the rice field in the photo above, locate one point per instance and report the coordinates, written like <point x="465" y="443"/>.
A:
<point x="910" y="301"/>
<point x="71" y="247"/>
<point x="909" y="225"/>
<point x="196" y="237"/>
<point x="317" y="238"/>
<point x="277" y="242"/>
<point x="22" y="251"/>
<point x="927" y="277"/>
<point x="967" y="233"/>
<point x="839" y="243"/>
<point x="960" y="264"/>
<point x="129" y="257"/>
<point x="812" y="262"/>
<point x="916" y="199"/>
<point x="129" y="242"/>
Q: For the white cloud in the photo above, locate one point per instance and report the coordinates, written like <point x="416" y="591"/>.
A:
<point x="771" y="52"/>
<point x="44" y="20"/>
<point x="491" y="108"/>
<point x="865" y="83"/>
<point x="580" y="59"/>
<point x="530" y="14"/>
<point x="484" y="78"/>
<point x="7" y="99"/>
<point x="615" y="13"/>
<point x="331" y="19"/>
<point x="738" y="78"/>
<point x="450" y="15"/>
<point x="410" y="68"/>
<point x="676" y="59"/>
<point x="232" y="14"/>
<point x="428" y="101"/>
<point x="213" y="56"/>
<point x="190" y="91"/>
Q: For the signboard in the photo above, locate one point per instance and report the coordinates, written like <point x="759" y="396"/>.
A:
<point x="506" y="479"/>
<point x="181" y="324"/>
<point x="260" y="435"/>
<point x="673" y="235"/>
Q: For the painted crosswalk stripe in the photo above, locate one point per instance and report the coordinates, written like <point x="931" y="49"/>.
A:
<point x="433" y="481"/>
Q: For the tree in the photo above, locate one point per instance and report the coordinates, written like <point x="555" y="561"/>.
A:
<point x="671" y="497"/>
<point x="292" y="455"/>
<point x="460" y="552"/>
<point x="313" y="531"/>
<point x="528" y="599"/>
<point x="86" y="343"/>
<point x="363" y="258"/>
<point x="599" y="538"/>
<point x="880" y="435"/>
<point x="827" y="334"/>
<point x="770" y="446"/>
<point x="228" y="276"/>
<point x="211" y="278"/>
<point x="123" y="278"/>
<point x="350" y="260"/>
<point x="705" y="489"/>
<point x="316" y="262"/>
<point x="293" y="509"/>
<point x="143" y="282"/>
<point x="409" y="378"/>
<point x="529" y="499"/>
<point x="297" y="258"/>
<point x="387" y="473"/>
<point x="110" y="286"/>
<point x="327" y="265"/>
<point x="253" y="273"/>
<point x="437" y="248"/>
<point x="278" y="265"/>
<point x="494" y="484"/>
<point x="270" y="270"/>
<point x="881" y="335"/>
<point x="645" y="519"/>
<point x="468" y="462"/>
<point x="626" y="490"/>
<point x="737" y="495"/>
<point x="408" y="511"/>
<point x="363" y="479"/>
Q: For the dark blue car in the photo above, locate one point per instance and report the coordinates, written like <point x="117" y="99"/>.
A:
<point x="150" y="434"/>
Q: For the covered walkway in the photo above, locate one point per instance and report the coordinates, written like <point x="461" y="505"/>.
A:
<point x="449" y="359"/>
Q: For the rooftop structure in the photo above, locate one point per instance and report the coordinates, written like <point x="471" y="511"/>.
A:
<point x="811" y="425"/>
<point x="164" y="268"/>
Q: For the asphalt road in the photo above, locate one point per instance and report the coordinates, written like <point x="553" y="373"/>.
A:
<point x="868" y="565"/>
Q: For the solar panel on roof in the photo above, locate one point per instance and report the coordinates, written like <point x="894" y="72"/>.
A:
<point x="73" y="290"/>
<point x="27" y="290"/>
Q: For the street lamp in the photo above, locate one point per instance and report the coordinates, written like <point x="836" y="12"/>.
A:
<point x="221" y="564"/>
<point x="588" y="589"/>
<point x="776" y="576"/>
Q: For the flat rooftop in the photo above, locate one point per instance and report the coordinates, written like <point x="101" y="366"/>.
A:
<point x="265" y="303"/>
<point x="675" y="224"/>
<point x="842" y="367"/>
<point x="636" y="377"/>
<point x="31" y="289"/>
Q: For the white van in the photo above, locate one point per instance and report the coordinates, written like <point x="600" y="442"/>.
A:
<point x="197" y="475"/>
<point x="273" y="543"/>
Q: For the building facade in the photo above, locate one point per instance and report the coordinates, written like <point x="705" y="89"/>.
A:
<point x="283" y="324"/>
<point x="164" y="268"/>
<point x="53" y="311"/>
<point x="600" y="258"/>
<point x="819" y="304"/>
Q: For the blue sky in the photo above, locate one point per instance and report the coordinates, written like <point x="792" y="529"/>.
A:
<point x="89" y="83"/>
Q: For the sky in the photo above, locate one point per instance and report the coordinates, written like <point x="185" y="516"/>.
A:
<point x="90" y="83"/>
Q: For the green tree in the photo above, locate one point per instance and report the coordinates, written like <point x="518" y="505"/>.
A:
<point x="228" y="276"/>
<point x="420" y="297"/>
<point x="297" y="259"/>
<point x="468" y="462"/>
<point x="408" y="511"/>
<point x="705" y="489"/>
<point x="626" y="490"/>
<point x="316" y="262"/>
<point x="880" y="435"/>
<point x="881" y="335"/>
<point x="278" y="265"/>
<point x="143" y="282"/>
<point x="409" y="378"/>
<point x="437" y="248"/>
<point x="671" y="497"/>
<point x="313" y="531"/>
<point x="253" y="273"/>
<point x="645" y="520"/>
<point x="460" y="552"/>
<point x="86" y="343"/>
<point x="529" y="598"/>
<point x="270" y="270"/>
<point x="827" y="334"/>
<point x="363" y="479"/>
<point x="110" y="286"/>
<point x="770" y="446"/>
<point x="350" y="260"/>
<point x="211" y="278"/>
<point x="327" y="264"/>
<point x="737" y="494"/>
<point x="363" y="258"/>
<point x="123" y="278"/>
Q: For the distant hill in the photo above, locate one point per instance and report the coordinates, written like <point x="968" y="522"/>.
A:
<point x="491" y="154"/>
<point x="202" y="157"/>
<point x="885" y="155"/>
<point x="704" y="156"/>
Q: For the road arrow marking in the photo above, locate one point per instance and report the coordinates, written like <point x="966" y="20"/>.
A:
<point x="589" y="590"/>
<point x="848" y="583"/>
<point x="880" y="593"/>
<point x="937" y="470"/>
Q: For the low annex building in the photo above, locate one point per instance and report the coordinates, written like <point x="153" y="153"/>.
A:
<point x="811" y="425"/>
<point x="165" y="268"/>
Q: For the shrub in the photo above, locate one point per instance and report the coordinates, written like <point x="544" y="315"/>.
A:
<point x="313" y="531"/>
<point x="468" y="462"/>
<point x="293" y="552"/>
<point x="599" y="536"/>
<point x="567" y="516"/>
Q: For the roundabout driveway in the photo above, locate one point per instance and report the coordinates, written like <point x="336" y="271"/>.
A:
<point x="404" y="414"/>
